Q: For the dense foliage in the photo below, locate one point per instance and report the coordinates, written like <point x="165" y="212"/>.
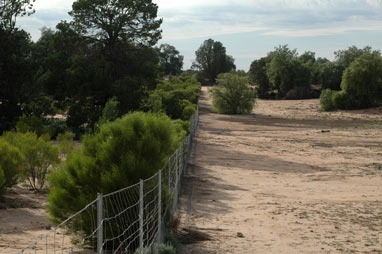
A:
<point x="170" y="61"/>
<point x="233" y="95"/>
<point x="177" y="97"/>
<point x="105" y="52"/>
<point x="122" y="152"/>
<point x="361" y="84"/>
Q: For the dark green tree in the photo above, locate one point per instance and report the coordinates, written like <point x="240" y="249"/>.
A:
<point x="14" y="66"/>
<point x="258" y="77"/>
<point x="15" y="74"/>
<point x="332" y="71"/>
<point x="170" y="61"/>
<point x="362" y="80"/>
<point x="113" y="21"/>
<point x="105" y="52"/>
<point x="285" y="71"/>
<point x="331" y="75"/>
<point x="211" y="59"/>
<point x="11" y="9"/>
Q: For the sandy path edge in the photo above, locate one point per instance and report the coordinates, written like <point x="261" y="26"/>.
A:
<point x="289" y="185"/>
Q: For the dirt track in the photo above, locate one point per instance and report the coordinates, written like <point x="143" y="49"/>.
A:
<point x="290" y="178"/>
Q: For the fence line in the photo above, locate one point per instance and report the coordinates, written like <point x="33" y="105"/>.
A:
<point x="129" y="220"/>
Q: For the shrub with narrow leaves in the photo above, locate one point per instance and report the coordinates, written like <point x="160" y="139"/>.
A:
<point x="122" y="152"/>
<point x="233" y="95"/>
<point x="10" y="165"/>
<point x="39" y="156"/>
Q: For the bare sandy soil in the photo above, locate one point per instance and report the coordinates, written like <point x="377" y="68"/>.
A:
<point x="288" y="178"/>
<point x="22" y="219"/>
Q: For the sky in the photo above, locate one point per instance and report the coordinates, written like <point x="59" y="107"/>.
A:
<point x="249" y="29"/>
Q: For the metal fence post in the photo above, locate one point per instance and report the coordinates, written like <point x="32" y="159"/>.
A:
<point x="141" y="216"/>
<point x="169" y="174"/>
<point x="176" y="181"/>
<point x="159" y="205"/>
<point x="100" y="223"/>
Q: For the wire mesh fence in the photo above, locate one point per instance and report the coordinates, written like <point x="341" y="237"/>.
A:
<point x="126" y="221"/>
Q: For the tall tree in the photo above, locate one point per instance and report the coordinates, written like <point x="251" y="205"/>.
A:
<point x="285" y="71"/>
<point x="332" y="73"/>
<point x="211" y="59"/>
<point x="15" y="72"/>
<point x="362" y="80"/>
<point x="170" y="61"/>
<point x="112" y="21"/>
<point x="258" y="76"/>
<point x="11" y="9"/>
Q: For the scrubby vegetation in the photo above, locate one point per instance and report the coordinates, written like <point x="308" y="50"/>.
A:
<point x="233" y="95"/>
<point x="39" y="156"/>
<point x="10" y="165"/>
<point x="361" y="85"/>
<point x="121" y="153"/>
<point x="177" y="97"/>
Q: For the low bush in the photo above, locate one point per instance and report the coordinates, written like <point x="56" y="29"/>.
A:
<point x="342" y="100"/>
<point x="166" y="249"/>
<point x="10" y="165"/>
<point x="326" y="100"/>
<point x="39" y="156"/>
<point x="118" y="155"/>
<point x="233" y="95"/>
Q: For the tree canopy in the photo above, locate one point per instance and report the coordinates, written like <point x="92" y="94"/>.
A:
<point x="285" y="71"/>
<point x="170" y="61"/>
<point x="111" y="21"/>
<point x="211" y="59"/>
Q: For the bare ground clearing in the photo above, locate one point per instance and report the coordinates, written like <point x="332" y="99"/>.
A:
<point x="290" y="178"/>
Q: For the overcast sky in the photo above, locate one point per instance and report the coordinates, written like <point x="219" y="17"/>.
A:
<point x="250" y="28"/>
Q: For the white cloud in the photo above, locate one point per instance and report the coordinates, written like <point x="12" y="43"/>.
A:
<point x="53" y="4"/>
<point x="375" y="3"/>
<point x="321" y="31"/>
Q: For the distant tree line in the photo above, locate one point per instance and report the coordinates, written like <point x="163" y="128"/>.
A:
<point x="352" y="80"/>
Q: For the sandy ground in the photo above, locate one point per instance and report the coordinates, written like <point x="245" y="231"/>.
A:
<point x="288" y="178"/>
<point x="22" y="219"/>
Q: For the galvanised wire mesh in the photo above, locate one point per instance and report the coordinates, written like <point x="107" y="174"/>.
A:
<point x="125" y="221"/>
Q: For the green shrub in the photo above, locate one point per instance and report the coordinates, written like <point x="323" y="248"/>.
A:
<point x="122" y="152"/>
<point x="188" y="111"/>
<point x="65" y="142"/>
<point x="30" y="124"/>
<point x="39" y="156"/>
<point x="326" y="100"/>
<point x="342" y="100"/>
<point x="166" y="249"/>
<point x="175" y="97"/>
<point x="10" y="165"/>
<point x="233" y="95"/>
<point x="363" y="80"/>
